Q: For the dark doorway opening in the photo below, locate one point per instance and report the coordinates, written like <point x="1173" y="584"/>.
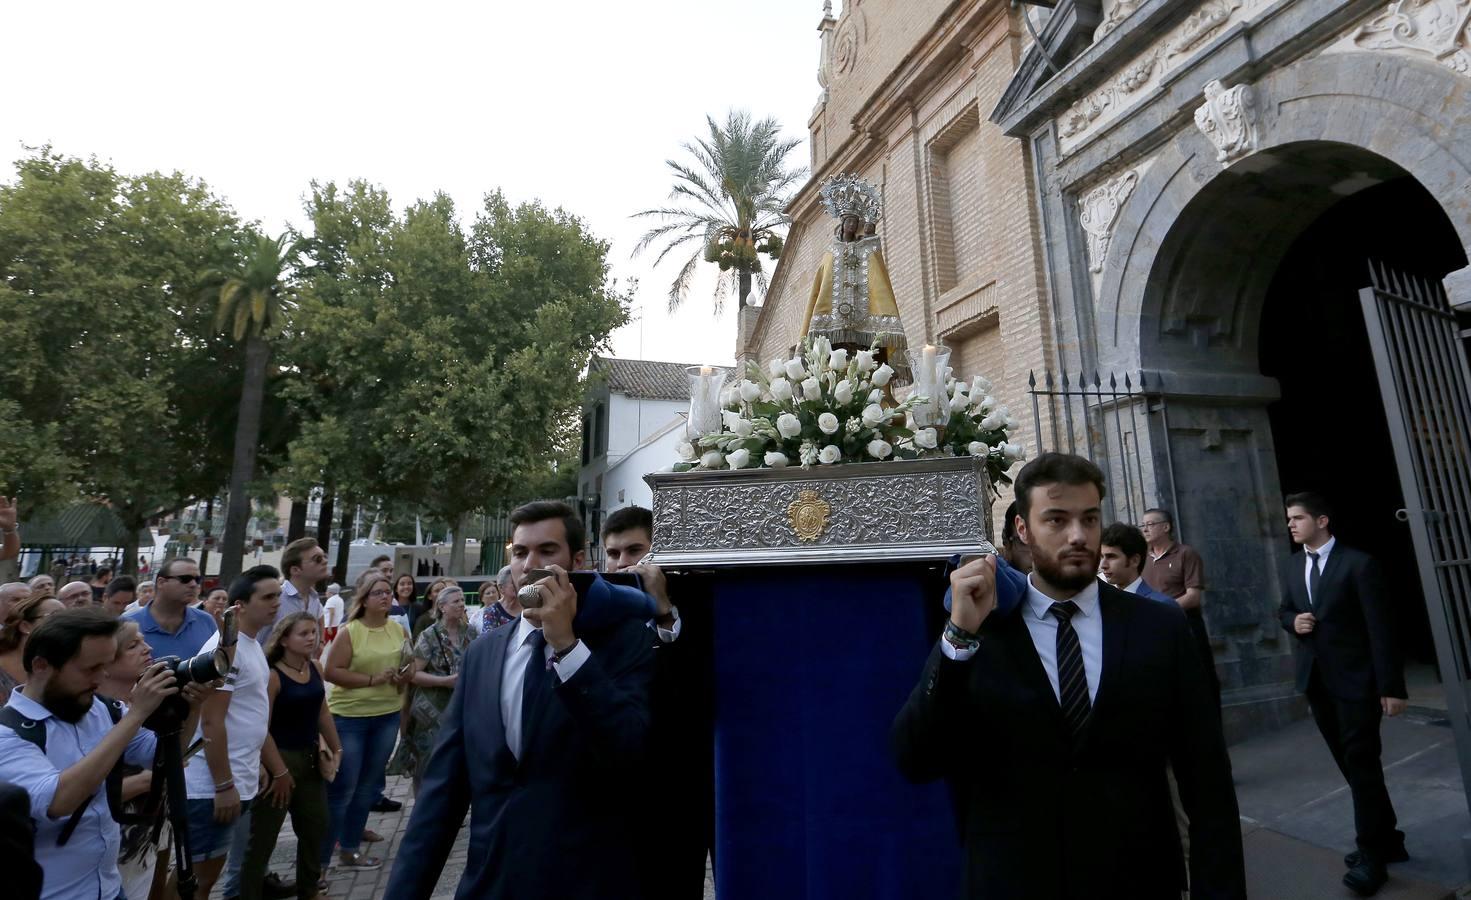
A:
<point x="1329" y="428"/>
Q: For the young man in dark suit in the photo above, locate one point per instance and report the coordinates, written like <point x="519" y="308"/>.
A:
<point x="543" y="743"/>
<point x="1349" y="666"/>
<point x="676" y="827"/>
<point x="1053" y="722"/>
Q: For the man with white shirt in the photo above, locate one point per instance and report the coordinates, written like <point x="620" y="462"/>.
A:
<point x="542" y="743"/>
<point x="223" y="780"/>
<point x="1350" y="668"/>
<point x="1053" y="722"/>
<point x="1121" y="561"/>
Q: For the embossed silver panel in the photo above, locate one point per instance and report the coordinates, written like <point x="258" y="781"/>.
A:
<point x="881" y="511"/>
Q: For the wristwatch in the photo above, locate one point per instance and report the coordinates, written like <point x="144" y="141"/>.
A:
<point x="961" y="639"/>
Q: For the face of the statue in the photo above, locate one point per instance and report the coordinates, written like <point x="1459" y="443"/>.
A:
<point x="850" y="228"/>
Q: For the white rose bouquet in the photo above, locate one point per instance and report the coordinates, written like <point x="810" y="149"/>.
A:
<point x="824" y="407"/>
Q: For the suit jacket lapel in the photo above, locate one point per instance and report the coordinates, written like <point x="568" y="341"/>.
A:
<point x="1017" y="637"/>
<point x="1115" y="611"/>
<point x="497" y="664"/>
<point x="1327" y="581"/>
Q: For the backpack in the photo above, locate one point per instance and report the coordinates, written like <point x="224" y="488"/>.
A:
<point x="35" y="731"/>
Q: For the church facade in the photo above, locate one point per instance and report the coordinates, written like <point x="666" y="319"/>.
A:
<point x="1191" y="195"/>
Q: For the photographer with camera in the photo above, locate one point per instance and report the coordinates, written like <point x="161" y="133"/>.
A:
<point x="224" y="779"/>
<point x="64" y="743"/>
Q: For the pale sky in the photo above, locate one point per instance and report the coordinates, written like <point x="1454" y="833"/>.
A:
<point x="577" y="103"/>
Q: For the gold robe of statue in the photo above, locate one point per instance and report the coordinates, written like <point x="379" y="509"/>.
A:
<point x="880" y="291"/>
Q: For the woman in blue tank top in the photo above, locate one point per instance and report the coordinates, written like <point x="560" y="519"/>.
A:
<point x="300" y="725"/>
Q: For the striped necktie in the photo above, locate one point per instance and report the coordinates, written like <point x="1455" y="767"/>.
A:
<point x="1072" y="679"/>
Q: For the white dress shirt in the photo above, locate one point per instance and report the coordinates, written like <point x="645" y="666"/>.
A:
<point x="1307" y="566"/>
<point x="1135" y="585"/>
<point x="668" y="635"/>
<point x="513" y="677"/>
<point x="1087" y="623"/>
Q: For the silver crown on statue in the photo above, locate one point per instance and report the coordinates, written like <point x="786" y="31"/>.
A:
<point x="849" y="195"/>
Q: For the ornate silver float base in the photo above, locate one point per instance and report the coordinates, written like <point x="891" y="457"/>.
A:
<point x="856" y="512"/>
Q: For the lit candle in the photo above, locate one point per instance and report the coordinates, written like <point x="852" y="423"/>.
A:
<point x="706" y="370"/>
<point x="930" y="375"/>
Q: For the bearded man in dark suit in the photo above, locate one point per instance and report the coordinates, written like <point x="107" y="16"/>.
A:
<point x="1053" y="722"/>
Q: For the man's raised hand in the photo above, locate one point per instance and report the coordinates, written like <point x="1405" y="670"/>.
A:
<point x="973" y="593"/>
<point x="558" y="608"/>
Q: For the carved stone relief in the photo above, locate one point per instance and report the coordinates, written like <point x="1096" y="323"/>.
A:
<point x="1201" y="24"/>
<point x="1229" y="119"/>
<point x="847" y="42"/>
<point x="1132" y="82"/>
<point x="1098" y="209"/>
<point x="1114" y="13"/>
<point x="1438" y="30"/>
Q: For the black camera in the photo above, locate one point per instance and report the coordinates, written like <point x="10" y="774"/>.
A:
<point x="208" y="666"/>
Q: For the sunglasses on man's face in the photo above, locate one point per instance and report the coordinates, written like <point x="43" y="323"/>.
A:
<point x="182" y="579"/>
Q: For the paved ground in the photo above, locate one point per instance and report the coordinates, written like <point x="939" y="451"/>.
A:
<point x="349" y="884"/>
<point x="1297" y="814"/>
<point x="1297" y="819"/>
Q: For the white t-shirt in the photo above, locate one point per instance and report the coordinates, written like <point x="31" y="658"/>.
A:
<point x="247" y="721"/>
<point x="332" y="611"/>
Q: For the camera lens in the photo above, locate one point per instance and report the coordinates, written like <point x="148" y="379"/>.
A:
<point x="202" y="669"/>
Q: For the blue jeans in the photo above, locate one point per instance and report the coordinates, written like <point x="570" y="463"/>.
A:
<point x="238" y="845"/>
<point x="367" y="743"/>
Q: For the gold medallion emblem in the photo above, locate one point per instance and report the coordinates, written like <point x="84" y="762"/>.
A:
<point x="808" y="515"/>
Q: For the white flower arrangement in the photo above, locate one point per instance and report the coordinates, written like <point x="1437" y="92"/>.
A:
<point x="826" y="406"/>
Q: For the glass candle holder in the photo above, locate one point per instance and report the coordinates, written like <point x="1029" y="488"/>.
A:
<point x="706" y="383"/>
<point x="927" y="366"/>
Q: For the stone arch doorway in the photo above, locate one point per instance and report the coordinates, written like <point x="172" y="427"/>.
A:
<point x="1253" y="300"/>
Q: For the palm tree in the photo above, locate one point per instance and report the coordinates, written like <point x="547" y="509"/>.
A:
<point x="254" y="301"/>
<point x="731" y="205"/>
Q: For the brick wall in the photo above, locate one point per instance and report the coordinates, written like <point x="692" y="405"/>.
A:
<point x="959" y="225"/>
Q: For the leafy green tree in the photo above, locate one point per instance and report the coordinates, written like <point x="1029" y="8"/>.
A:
<point x="729" y="204"/>
<point x="342" y="282"/>
<point x="452" y="355"/>
<point x="255" y="297"/>
<point x="113" y="378"/>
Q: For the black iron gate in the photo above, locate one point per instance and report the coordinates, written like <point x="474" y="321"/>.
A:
<point x="1108" y="423"/>
<point x="1420" y="357"/>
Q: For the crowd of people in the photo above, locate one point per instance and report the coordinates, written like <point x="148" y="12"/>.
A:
<point x="549" y="753"/>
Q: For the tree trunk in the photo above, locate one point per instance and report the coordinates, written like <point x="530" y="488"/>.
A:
<point x="324" y="521"/>
<point x="247" y="433"/>
<point x="457" y="549"/>
<point x="344" y="542"/>
<point x="745" y="287"/>
<point x="296" y="525"/>
<point x="129" y="563"/>
<point x="209" y="525"/>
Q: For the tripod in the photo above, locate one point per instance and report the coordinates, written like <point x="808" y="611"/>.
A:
<point x="169" y="763"/>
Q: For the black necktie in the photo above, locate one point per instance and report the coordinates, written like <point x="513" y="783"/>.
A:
<point x="536" y="676"/>
<point x="1314" y="577"/>
<point x="1072" y="679"/>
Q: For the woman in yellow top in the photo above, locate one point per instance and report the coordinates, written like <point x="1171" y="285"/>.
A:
<point x="364" y="665"/>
